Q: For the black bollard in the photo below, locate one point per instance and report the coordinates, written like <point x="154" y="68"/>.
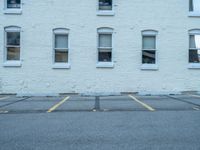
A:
<point x="97" y="103"/>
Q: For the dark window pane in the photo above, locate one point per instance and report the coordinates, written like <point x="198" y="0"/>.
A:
<point x="194" y="56"/>
<point x="105" y="4"/>
<point x="105" y="56"/>
<point x="13" y="53"/>
<point x="61" y="56"/>
<point x="148" y="57"/>
<point x="13" y="38"/>
<point x="13" y="3"/>
<point x="190" y="5"/>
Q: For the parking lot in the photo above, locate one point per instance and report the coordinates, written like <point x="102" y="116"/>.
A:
<point x="101" y="122"/>
<point x="76" y="103"/>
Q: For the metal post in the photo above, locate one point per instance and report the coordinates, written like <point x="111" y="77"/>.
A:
<point x="97" y="103"/>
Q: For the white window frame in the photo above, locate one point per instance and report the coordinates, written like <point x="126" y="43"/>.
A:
<point x="105" y="12"/>
<point x="193" y="65"/>
<point x="17" y="11"/>
<point x="193" y="13"/>
<point x="104" y="30"/>
<point x="61" y="65"/>
<point x="150" y="66"/>
<point x="11" y="63"/>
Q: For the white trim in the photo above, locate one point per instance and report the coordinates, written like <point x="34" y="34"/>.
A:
<point x="61" y="31"/>
<point x="12" y="64"/>
<point x="194" y="31"/>
<point x="149" y="67"/>
<point x="12" y="29"/>
<point x="194" y="66"/>
<point x="105" y="65"/>
<point x="105" y="30"/>
<point x="61" y="66"/>
<point x="193" y="14"/>
<point x="105" y="13"/>
<point x="12" y="11"/>
<point x="149" y="33"/>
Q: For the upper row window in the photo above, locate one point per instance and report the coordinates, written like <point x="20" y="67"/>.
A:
<point x="105" y="7"/>
<point x="194" y="7"/>
<point x="13" y="7"/>
<point x="13" y="4"/>
<point x="105" y="4"/>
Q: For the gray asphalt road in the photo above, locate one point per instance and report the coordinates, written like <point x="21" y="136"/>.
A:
<point x="121" y="123"/>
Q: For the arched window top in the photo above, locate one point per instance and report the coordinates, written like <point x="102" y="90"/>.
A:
<point x="194" y="31"/>
<point x="105" y="30"/>
<point x="149" y="32"/>
<point x="61" y="31"/>
<point x="12" y="29"/>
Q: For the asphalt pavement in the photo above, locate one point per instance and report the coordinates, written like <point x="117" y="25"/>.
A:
<point x="126" y="122"/>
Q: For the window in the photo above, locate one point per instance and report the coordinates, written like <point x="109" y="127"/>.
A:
<point x="12" y="46"/>
<point x="194" y="48"/>
<point x="194" y="7"/>
<point x="14" y="4"/>
<point x="61" y="48"/>
<point x="105" y="7"/>
<point x="13" y="7"/>
<point x="105" y="36"/>
<point x="149" y="49"/>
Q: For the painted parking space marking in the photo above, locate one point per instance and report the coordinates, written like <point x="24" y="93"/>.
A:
<point x="3" y="98"/>
<point x="3" y="111"/>
<point x="58" y="104"/>
<point x="196" y="108"/>
<point x="142" y="103"/>
<point x="23" y="99"/>
<point x="183" y="100"/>
<point x="198" y="96"/>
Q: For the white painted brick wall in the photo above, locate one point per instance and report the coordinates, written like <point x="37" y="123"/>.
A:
<point x="36" y="76"/>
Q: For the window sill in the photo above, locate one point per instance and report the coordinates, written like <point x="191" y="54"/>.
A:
<point x="105" y="13"/>
<point x="149" y="67"/>
<point x="194" y="14"/>
<point x="12" y="64"/>
<point x="61" y="66"/>
<point x="194" y="66"/>
<point x="13" y="11"/>
<point x="105" y="65"/>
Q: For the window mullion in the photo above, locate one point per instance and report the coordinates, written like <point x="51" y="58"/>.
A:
<point x="12" y="46"/>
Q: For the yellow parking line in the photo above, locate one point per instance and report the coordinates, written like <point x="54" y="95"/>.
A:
<point x="195" y="96"/>
<point x="6" y="97"/>
<point x="142" y="103"/>
<point x="58" y="104"/>
<point x="3" y="111"/>
<point x="196" y="108"/>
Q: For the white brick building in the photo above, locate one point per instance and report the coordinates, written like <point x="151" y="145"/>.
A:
<point x="110" y="46"/>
